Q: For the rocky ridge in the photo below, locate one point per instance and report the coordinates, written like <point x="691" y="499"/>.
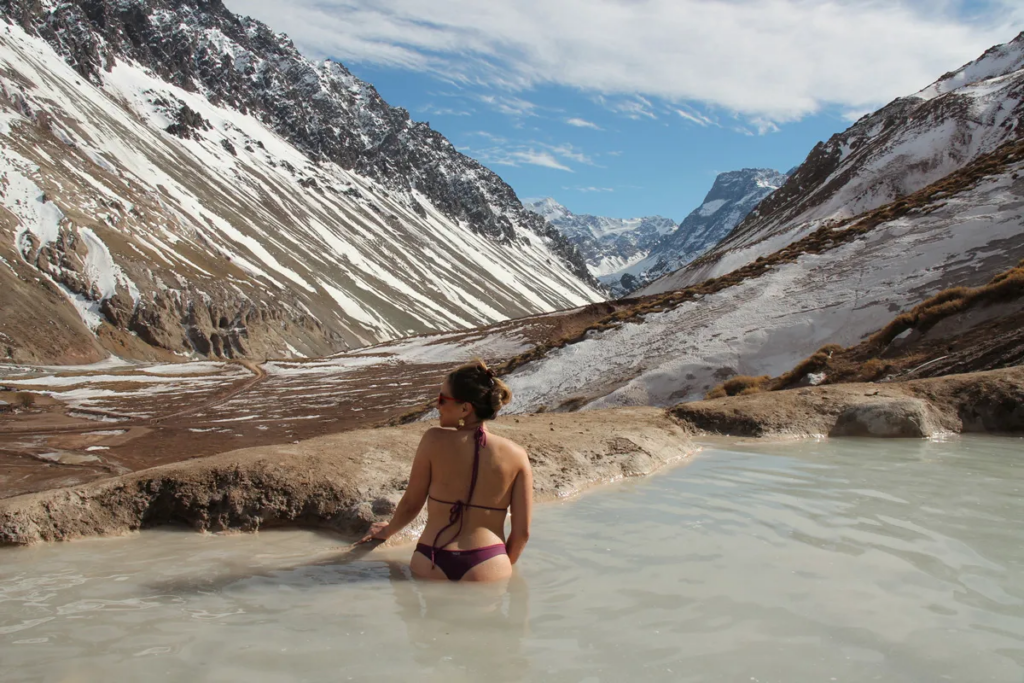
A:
<point x="180" y="180"/>
<point x="907" y="145"/>
<point x="732" y="197"/>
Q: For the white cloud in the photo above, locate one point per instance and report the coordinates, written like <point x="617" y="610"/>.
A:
<point x="582" y="123"/>
<point x="567" y="151"/>
<point x="589" y="189"/>
<point x="764" y="125"/>
<point x="777" y="60"/>
<point x="511" y="106"/>
<point x="696" y="117"/>
<point x="635" y="107"/>
<point x="534" y="158"/>
<point x="505" y="153"/>
<point x="444" y="111"/>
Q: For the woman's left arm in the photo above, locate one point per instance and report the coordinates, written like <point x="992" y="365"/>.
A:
<point x="414" y="497"/>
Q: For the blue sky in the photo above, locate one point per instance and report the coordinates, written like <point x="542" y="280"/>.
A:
<point x="631" y="107"/>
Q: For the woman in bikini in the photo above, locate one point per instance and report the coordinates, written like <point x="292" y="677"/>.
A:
<point x="469" y="479"/>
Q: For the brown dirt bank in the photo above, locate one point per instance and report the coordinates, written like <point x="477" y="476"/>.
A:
<point x="340" y="482"/>
<point x="976" y="402"/>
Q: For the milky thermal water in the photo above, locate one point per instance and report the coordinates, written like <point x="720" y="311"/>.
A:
<point x="834" y="561"/>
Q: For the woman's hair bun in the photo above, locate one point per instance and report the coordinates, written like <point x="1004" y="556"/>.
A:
<point x="479" y="386"/>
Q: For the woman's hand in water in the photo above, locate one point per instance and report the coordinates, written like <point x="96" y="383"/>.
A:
<point x="378" y="532"/>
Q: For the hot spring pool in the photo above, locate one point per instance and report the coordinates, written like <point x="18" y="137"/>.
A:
<point x="840" y="560"/>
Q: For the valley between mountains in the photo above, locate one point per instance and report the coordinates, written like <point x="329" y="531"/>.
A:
<point x="248" y="249"/>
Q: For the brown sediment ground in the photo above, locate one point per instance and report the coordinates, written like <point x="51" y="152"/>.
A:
<point x="340" y="482"/>
<point x="53" y="444"/>
<point x="976" y="402"/>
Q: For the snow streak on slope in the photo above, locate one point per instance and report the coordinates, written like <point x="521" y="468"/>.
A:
<point x="909" y="144"/>
<point x="767" y="324"/>
<point x="197" y="229"/>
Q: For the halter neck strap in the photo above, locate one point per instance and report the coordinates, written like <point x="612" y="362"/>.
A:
<point x="456" y="513"/>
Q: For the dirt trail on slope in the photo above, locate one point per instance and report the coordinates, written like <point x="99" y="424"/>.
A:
<point x="259" y="373"/>
<point x="260" y="376"/>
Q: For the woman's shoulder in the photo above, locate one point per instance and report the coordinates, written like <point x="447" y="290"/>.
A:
<point x="437" y="434"/>
<point x="510" y="447"/>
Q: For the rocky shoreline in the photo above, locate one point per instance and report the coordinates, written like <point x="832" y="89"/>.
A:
<point x="340" y="482"/>
<point x="980" y="402"/>
<point x="345" y="481"/>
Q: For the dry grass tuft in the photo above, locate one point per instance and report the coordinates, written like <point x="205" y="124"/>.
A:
<point x="814" y="363"/>
<point x="717" y="392"/>
<point x="1004" y="287"/>
<point x="862" y="363"/>
<point x="873" y="369"/>
<point x="741" y="385"/>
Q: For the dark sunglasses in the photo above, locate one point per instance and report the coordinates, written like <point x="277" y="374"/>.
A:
<point x="441" y="398"/>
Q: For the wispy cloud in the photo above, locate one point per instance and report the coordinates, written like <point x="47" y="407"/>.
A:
<point x="589" y="189"/>
<point x="778" y="60"/>
<point x="764" y="125"/>
<point x="567" y="151"/>
<point x="635" y="107"/>
<point x="511" y="106"/>
<point x="444" y="111"/>
<point x="694" y="116"/>
<point x="502" y="152"/>
<point x="531" y="157"/>
<point x="582" y="123"/>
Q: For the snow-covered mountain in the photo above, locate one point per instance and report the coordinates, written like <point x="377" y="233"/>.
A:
<point x="180" y="180"/>
<point x="733" y="195"/>
<point x="609" y="245"/>
<point x="907" y="145"/>
<point x="922" y="196"/>
<point x="627" y="253"/>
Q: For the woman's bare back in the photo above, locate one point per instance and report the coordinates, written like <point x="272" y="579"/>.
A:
<point x="502" y="464"/>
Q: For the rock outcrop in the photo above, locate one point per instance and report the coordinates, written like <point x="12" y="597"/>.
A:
<point x="984" y="402"/>
<point x="898" y="418"/>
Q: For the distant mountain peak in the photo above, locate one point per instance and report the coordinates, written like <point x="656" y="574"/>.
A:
<point x="732" y="197"/>
<point x="627" y="253"/>
<point x="548" y="208"/>
<point x="607" y="244"/>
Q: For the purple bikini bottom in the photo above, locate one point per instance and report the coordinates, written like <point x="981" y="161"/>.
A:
<point x="455" y="563"/>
